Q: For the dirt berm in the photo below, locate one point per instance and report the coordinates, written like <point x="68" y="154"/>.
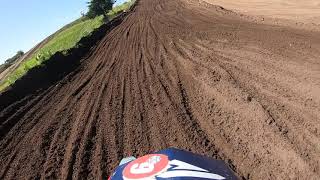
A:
<point x="182" y="74"/>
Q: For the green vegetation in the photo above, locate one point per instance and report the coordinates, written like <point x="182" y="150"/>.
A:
<point x="118" y="9"/>
<point x="65" y="39"/>
<point x="4" y="66"/>
<point x="18" y="55"/>
<point x="11" y="61"/>
<point x="99" y="7"/>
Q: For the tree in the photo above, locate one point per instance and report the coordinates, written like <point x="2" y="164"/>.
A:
<point x="99" y="7"/>
<point x="15" y="57"/>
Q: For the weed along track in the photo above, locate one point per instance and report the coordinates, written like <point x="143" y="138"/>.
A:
<point x="179" y="74"/>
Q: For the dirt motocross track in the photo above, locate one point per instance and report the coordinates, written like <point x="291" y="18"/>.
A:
<point x="182" y="74"/>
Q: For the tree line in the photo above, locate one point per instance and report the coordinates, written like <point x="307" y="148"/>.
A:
<point x="14" y="58"/>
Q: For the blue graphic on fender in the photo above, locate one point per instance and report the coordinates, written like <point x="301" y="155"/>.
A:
<point x="173" y="164"/>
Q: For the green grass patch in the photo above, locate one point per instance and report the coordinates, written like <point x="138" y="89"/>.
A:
<point x="65" y="39"/>
<point x="118" y="9"/>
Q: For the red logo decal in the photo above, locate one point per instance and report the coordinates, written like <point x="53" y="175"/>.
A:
<point x="146" y="167"/>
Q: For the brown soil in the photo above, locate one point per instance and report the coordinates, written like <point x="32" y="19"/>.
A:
<point x="304" y="11"/>
<point x="182" y="74"/>
<point x="295" y="13"/>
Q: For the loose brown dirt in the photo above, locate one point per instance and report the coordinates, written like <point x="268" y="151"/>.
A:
<point x="182" y="74"/>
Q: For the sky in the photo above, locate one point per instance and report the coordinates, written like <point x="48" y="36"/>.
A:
<point x="23" y="24"/>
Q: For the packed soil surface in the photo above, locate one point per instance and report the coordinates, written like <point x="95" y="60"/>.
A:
<point x="306" y="11"/>
<point x="182" y="74"/>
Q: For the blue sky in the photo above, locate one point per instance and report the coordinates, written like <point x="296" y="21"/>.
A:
<point x="26" y="23"/>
